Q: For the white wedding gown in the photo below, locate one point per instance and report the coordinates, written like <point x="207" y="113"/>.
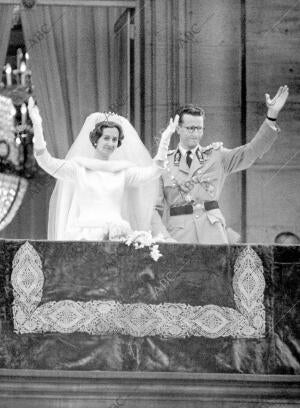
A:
<point x="96" y="209"/>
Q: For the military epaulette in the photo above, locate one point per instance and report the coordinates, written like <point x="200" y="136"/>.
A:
<point x="212" y="146"/>
<point x="170" y="152"/>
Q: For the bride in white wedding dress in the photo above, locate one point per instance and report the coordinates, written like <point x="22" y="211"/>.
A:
<point x="107" y="184"/>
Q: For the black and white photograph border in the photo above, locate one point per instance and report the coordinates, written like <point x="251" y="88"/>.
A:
<point x="149" y="203"/>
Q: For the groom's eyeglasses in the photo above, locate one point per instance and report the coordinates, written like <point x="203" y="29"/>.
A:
<point x="192" y="129"/>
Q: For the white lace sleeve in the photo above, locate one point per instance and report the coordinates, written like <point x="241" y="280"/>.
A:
<point x="138" y="175"/>
<point x="58" y="168"/>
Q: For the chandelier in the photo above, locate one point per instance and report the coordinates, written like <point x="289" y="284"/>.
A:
<point x="12" y="185"/>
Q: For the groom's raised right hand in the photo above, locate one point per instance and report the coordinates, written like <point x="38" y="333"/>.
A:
<point x="170" y="129"/>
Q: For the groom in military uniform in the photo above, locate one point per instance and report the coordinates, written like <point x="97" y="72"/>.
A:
<point x="187" y="209"/>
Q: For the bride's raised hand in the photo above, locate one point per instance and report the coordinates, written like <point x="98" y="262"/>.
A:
<point x="34" y="112"/>
<point x="38" y="140"/>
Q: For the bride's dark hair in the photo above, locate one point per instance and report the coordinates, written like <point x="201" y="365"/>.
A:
<point x="97" y="132"/>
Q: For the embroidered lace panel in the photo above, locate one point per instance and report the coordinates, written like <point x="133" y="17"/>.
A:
<point x="176" y="320"/>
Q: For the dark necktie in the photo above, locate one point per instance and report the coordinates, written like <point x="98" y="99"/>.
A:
<point x="188" y="158"/>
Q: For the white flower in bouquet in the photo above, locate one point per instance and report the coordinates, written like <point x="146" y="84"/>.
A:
<point x="118" y="231"/>
<point x="142" y="239"/>
<point x="154" y="252"/>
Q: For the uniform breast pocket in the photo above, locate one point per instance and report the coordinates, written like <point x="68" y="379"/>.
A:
<point x="176" y="222"/>
<point x="216" y="216"/>
<point x="173" y="196"/>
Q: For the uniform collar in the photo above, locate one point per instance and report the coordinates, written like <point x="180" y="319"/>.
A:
<point x="183" y="150"/>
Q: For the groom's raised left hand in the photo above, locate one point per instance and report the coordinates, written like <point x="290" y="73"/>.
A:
<point x="275" y="104"/>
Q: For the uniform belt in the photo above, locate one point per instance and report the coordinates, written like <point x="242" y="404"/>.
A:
<point x="189" y="209"/>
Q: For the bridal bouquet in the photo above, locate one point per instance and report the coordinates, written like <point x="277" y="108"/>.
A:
<point x="142" y="239"/>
